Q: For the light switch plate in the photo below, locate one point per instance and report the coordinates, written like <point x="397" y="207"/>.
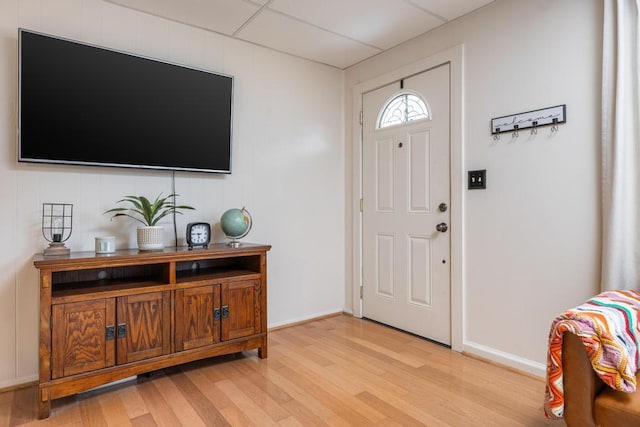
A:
<point x="477" y="179"/>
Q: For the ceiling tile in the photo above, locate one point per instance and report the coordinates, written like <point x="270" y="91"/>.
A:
<point x="336" y="32"/>
<point x="380" y="23"/>
<point x="450" y="9"/>
<point x="221" y="16"/>
<point x="279" y="32"/>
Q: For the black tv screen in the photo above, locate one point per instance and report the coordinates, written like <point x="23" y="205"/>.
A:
<point x="82" y="104"/>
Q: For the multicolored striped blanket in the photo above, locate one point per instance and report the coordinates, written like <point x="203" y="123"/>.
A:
<point x="607" y="325"/>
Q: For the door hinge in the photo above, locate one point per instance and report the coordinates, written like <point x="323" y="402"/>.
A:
<point x="361" y="205"/>
<point x="361" y="116"/>
<point x="361" y="291"/>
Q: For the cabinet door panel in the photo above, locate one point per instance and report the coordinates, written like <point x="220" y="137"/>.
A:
<point x="243" y="302"/>
<point x="147" y="318"/>
<point x="196" y="325"/>
<point x="79" y="338"/>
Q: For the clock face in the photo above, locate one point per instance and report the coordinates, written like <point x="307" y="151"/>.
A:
<point x="198" y="234"/>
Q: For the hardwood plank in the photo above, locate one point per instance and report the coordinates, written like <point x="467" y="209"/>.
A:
<point x="162" y="413"/>
<point x="463" y="383"/>
<point x="145" y="420"/>
<point x="6" y="401"/>
<point x="300" y="396"/>
<point x="356" y="369"/>
<point x="412" y="361"/>
<point x="91" y="412"/>
<point x="180" y="402"/>
<point x="261" y="391"/>
<point x="290" y="422"/>
<point x="306" y="352"/>
<point x="301" y="363"/>
<point x="433" y="395"/>
<point x="205" y="379"/>
<point x="23" y="406"/>
<point x="340" y="402"/>
<point x="392" y="413"/>
<point x="302" y="414"/>
<point x="338" y="371"/>
<point x="235" y="417"/>
<point x="67" y="411"/>
<point x="371" y="364"/>
<point x="133" y="403"/>
<point x="112" y="405"/>
<point x="205" y="409"/>
<point x="252" y="411"/>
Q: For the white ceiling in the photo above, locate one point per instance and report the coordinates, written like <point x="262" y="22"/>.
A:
<point x="334" y="32"/>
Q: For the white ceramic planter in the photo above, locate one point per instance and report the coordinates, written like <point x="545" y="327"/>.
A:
<point x="150" y="238"/>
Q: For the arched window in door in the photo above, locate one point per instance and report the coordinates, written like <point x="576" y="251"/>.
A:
<point x="407" y="106"/>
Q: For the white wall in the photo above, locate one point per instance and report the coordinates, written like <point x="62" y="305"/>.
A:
<point x="531" y="239"/>
<point x="288" y="167"/>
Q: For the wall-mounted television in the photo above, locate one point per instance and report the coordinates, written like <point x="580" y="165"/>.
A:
<point x="88" y="105"/>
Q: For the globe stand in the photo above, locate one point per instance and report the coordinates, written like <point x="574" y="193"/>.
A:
<point x="234" y="243"/>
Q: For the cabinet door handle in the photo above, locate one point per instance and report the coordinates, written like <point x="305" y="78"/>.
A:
<point x="225" y="311"/>
<point x="111" y="332"/>
<point x="122" y="330"/>
<point x="216" y="314"/>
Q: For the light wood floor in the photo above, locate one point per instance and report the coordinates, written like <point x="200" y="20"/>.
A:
<point x="338" y="371"/>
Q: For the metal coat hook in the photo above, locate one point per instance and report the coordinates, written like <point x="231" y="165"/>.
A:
<point x="515" y="131"/>
<point x="534" y="129"/>
<point x="496" y="135"/>
<point x="554" y="126"/>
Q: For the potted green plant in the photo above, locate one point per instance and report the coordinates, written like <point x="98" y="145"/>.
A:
<point x="150" y="235"/>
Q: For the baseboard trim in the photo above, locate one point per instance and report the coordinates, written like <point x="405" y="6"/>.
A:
<point x="506" y="360"/>
<point x="298" y="322"/>
<point x="18" y="383"/>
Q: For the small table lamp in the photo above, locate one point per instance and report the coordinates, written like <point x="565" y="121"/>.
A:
<point x="57" y="225"/>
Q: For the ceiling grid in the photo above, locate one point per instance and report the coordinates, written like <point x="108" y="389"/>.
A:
<point x="339" y="33"/>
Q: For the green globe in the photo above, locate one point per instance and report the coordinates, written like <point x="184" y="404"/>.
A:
<point x="236" y="223"/>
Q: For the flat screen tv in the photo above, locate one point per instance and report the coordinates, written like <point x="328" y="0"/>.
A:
<point x="87" y="105"/>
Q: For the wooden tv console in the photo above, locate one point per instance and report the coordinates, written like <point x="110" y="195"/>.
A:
<point x="108" y="317"/>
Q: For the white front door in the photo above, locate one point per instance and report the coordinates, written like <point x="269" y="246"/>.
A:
<point x="406" y="198"/>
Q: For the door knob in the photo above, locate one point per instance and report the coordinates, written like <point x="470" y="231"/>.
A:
<point x="443" y="207"/>
<point x="442" y="227"/>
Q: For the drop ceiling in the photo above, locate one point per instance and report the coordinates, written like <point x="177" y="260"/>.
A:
<point x="339" y="33"/>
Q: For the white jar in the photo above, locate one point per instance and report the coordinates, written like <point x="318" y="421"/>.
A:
<point x="105" y="245"/>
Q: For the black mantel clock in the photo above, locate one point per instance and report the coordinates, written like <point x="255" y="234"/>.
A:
<point x="198" y="234"/>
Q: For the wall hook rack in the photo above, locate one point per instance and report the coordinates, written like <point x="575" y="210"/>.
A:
<point x="551" y="116"/>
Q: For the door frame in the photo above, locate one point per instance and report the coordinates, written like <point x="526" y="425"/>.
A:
<point x="454" y="56"/>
